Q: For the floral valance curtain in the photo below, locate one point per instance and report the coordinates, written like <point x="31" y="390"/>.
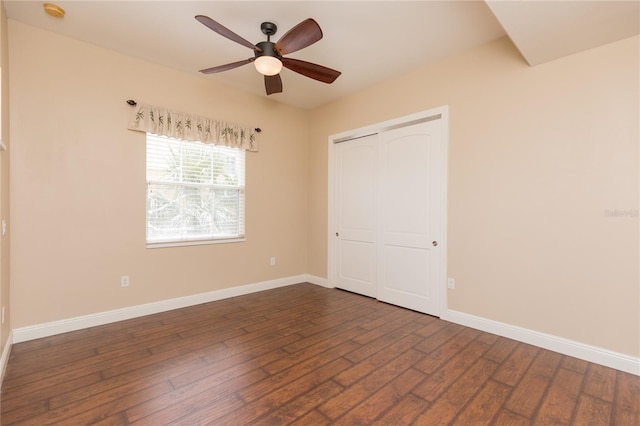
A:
<point x="180" y="125"/>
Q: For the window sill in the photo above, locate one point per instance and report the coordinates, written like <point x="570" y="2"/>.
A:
<point x="166" y="244"/>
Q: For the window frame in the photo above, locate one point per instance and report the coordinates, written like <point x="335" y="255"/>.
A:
<point x="181" y="241"/>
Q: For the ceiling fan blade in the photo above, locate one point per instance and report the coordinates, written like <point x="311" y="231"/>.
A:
<point x="226" y="67"/>
<point x="273" y="84"/>
<point x="315" y="71"/>
<point x="302" y="35"/>
<point x="225" y="32"/>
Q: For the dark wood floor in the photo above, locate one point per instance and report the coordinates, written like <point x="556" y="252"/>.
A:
<point x="305" y="355"/>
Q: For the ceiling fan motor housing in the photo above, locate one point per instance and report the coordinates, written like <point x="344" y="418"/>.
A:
<point x="267" y="48"/>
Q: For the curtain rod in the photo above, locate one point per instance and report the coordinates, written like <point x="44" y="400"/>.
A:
<point x="134" y="103"/>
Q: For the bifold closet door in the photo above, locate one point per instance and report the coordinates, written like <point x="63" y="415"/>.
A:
<point x="355" y="216"/>
<point x="387" y="216"/>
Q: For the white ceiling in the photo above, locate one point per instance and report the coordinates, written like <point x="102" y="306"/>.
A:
<point x="547" y="30"/>
<point x="368" y="41"/>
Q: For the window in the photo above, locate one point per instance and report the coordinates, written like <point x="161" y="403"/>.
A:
<point x="195" y="192"/>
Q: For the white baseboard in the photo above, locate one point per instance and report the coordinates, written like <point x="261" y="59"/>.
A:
<point x="4" y="359"/>
<point x="579" y="350"/>
<point x="322" y="282"/>
<point x="37" y="331"/>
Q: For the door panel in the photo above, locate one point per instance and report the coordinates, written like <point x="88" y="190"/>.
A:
<point x="400" y="273"/>
<point x="408" y="206"/>
<point x="357" y="261"/>
<point x="356" y="180"/>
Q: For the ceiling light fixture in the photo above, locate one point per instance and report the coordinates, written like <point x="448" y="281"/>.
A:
<point x="54" y="10"/>
<point x="268" y="65"/>
<point x="268" y="61"/>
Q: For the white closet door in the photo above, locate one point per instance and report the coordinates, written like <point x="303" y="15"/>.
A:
<point x="408" y="255"/>
<point x="355" y="182"/>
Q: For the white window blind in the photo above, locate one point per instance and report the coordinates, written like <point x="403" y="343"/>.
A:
<point x="195" y="192"/>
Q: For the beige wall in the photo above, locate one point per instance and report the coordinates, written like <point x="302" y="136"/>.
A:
<point x="4" y="178"/>
<point x="78" y="183"/>
<point x="537" y="157"/>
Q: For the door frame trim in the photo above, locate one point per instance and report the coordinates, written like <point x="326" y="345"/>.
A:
<point x="441" y="113"/>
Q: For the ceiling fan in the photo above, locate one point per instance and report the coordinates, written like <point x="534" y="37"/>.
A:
<point x="268" y="56"/>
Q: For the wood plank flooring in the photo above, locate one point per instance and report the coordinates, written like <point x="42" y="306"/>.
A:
<point x="304" y="355"/>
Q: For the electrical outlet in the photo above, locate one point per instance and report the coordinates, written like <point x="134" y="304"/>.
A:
<point x="272" y="261"/>
<point x="451" y="283"/>
<point x="124" y="281"/>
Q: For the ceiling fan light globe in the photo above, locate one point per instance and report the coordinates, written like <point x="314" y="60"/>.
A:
<point x="268" y="65"/>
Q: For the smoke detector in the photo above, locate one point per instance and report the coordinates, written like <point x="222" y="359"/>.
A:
<point x="54" y="10"/>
